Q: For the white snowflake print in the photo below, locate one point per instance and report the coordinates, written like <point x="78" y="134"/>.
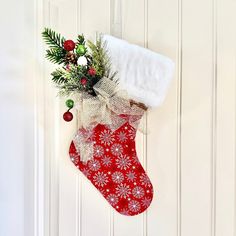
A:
<point x="117" y="177"/>
<point x="116" y="149"/>
<point x="98" y="151"/>
<point x="86" y="172"/>
<point x="74" y="158"/>
<point x="134" y="206"/>
<point x="112" y="199"/>
<point x="100" y="179"/>
<point x="106" y="161"/>
<point x="146" y="202"/>
<point x="132" y="133"/>
<point x="94" y="165"/>
<point x="106" y="137"/>
<point x="123" y="162"/>
<point x="123" y="190"/>
<point x="131" y="176"/>
<point x="122" y="137"/>
<point x="125" y="212"/>
<point x="144" y="179"/>
<point x="138" y="192"/>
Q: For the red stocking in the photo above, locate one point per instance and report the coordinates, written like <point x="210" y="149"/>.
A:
<point x="115" y="169"/>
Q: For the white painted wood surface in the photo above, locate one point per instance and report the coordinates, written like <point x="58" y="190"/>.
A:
<point x="189" y="152"/>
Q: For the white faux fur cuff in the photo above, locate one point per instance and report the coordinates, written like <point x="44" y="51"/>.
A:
<point x="144" y="74"/>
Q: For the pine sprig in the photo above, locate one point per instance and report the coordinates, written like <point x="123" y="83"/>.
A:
<point x="59" y="76"/>
<point x="56" y="55"/>
<point x="53" y="39"/>
<point x="101" y="60"/>
<point x="72" y="77"/>
<point x="80" y="39"/>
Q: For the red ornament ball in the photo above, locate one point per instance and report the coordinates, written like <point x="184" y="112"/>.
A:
<point x="68" y="116"/>
<point x="92" y="71"/>
<point x="69" y="45"/>
<point x="83" y="81"/>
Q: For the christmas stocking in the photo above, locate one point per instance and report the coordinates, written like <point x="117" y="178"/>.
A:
<point x="115" y="169"/>
<point x="114" y="83"/>
<point x="112" y="164"/>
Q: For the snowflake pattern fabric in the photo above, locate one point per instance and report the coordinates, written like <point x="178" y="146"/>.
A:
<point x="116" y="171"/>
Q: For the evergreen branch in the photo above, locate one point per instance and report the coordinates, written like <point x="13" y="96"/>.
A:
<point x="59" y="76"/>
<point x="69" y="81"/>
<point x="101" y="60"/>
<point x="53" y="39"/>
<point x="56" y="55"/>
<point x="80" y="39"/>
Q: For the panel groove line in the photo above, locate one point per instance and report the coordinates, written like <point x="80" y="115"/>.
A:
<point x="49" y="159"/>
<point x="214" y="118"/>
<point x="235" y="134"/>
<point x="179" y="117"/>
<point x="234" y="229"/>
<point x="145" y="163"/>
<point x="111" y="19"/>
<point x="234" y="226"/>
<point x="79" y="189"/>
<point x="53" y="170"/>
<point x="39" y="107"/>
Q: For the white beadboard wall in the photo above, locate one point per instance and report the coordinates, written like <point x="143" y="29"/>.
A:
<point x="189" y="152"/>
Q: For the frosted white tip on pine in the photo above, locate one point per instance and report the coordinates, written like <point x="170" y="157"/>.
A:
<point x="82" y="61"/>
<point x="144" y="74"/>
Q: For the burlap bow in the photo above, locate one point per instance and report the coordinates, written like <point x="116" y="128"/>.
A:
<point x="111" y="107"/>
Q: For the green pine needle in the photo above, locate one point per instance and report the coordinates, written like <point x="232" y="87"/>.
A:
<point x="69" y="81"/>
<point x="53" y="39"/>
<point x="101" y="60"/>
<point x="80" y="39"/>
<point x="59" y="76"/>
<point x="56" y="55"/>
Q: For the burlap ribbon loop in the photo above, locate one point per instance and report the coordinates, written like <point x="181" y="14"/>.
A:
<point x="111" y="107"/>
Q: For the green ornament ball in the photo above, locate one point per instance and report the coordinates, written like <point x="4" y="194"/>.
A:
<point x="70" y="103"/>
<point x="80" y="49"/>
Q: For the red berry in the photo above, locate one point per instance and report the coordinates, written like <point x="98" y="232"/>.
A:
<point x="83" y="81"/>
<point x="69" y="45"/>
<point x="92" y="71"/>
<point x="68" y="67"/>
<point x="68" y="116"/>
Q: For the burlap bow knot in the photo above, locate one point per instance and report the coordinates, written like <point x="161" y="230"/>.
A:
<point x="111" y="107"/>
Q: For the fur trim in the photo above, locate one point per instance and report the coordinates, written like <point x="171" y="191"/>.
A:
<point x="145" y="75"/>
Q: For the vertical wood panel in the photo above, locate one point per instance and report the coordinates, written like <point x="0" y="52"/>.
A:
<point x="95" y="17"/>
<point x="51" y="161"/>
<point x="196" y="117"/>
<point x="63" y="187"/>
<point x="132" y="11"/>
<point x="162" y="124"/>
<point x="226" y="90"/>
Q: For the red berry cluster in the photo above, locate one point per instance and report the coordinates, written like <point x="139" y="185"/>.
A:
<point x="69" y="45"/>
